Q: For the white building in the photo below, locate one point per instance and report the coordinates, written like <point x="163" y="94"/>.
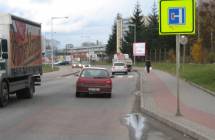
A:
<point x="88" y="51"/>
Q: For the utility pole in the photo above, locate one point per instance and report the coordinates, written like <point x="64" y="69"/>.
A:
<point x="52" y="44"/>
<point x="135" y="40"/>
<point x="119" y="34"/>
<point x="212" y="43"/>
<point x="52" y="18"/>
<point x="198" y="15"/>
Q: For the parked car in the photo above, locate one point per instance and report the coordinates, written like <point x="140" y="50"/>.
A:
<point x="119" y="67"/>
<point x="94" y="80"/>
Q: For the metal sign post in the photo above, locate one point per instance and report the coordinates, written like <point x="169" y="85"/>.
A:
<point x="183" y="41"/>
<point x="178" y="113"/>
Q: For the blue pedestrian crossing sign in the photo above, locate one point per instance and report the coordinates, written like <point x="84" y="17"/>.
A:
<point x="177" y="17"/>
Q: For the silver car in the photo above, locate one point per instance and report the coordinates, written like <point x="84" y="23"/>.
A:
<point x="119" y="67"/>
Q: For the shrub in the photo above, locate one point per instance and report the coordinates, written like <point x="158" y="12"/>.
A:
<point x="171" y="55"/>
<point x="197" y="52"/>
<point x="211" y="57"/>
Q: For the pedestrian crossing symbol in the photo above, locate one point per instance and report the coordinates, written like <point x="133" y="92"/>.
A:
<point x="176" y="16"/>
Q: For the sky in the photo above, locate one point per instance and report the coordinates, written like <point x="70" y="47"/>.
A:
<point x="88" y="20"/>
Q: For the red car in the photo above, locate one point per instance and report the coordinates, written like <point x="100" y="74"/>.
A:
<point x="94" y="80"/>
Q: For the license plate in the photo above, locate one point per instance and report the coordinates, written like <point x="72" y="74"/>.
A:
<point x="93" y="90"/>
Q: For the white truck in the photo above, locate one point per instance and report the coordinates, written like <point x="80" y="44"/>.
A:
<point x="120" y="57"/>
<point x="20" y="57"/>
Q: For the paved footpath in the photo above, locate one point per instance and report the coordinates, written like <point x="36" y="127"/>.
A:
<point x="197" y="106"/>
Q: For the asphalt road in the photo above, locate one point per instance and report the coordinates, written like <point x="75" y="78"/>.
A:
<point x="56" y="114"/>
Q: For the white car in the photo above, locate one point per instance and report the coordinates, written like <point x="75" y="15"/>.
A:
<point x="119" y="67"/>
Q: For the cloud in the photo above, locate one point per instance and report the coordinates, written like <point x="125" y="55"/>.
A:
<point x="42" y="11"/>
<point x="89" y="16"/>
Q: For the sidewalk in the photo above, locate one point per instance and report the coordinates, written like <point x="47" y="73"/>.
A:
<point x="197" y="107"/>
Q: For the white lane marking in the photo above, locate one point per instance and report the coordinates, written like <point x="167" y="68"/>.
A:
<point x="119" y="76"/>
<point x="130" y="76"/>
<point x="124" y="76"/>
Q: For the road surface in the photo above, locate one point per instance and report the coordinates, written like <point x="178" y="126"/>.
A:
<point x="56" y="114"/>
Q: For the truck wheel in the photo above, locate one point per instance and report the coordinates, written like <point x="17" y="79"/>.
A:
<point x="4" y="98"/>
<point x="29" y="92"/>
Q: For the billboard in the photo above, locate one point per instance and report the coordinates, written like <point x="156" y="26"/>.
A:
<point x="139" y="49"/>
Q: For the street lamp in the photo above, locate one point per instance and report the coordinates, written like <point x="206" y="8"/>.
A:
<point x="135" y="36"/>
<point x="52" y="18"/>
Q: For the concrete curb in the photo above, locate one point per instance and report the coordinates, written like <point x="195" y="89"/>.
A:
<point x="196" y="134"/>
<point x="201" y="88"/>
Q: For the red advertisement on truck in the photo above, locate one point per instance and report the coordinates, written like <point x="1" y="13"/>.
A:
<point x="25" y="43"/>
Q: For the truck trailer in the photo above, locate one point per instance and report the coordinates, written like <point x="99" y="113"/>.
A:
<point x="20" y="57"/>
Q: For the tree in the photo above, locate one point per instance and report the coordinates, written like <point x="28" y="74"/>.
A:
<point x="154" y="40"/>
<point x="136" y="21"/>
<point x="111" y="45"/>
<point x="197" y="53"/>
<point x="152" y="29"/>
<point x="207" y="26"/>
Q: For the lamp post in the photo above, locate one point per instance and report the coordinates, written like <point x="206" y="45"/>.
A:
<point x="52" y="18"/>
<point x="135" y="38"/>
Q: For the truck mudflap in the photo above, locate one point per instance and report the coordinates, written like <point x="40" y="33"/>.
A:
<point x="37" y="80"/>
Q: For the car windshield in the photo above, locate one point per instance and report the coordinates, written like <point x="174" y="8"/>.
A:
<point x="94" y="73"/>
<point x="119" y="64"/>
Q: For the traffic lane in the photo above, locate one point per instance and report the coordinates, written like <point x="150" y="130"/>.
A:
<point x="55" y="113"/>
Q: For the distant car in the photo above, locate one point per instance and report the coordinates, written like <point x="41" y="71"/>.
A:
<point x="85" y="64"/>
<point x="119" y="67"/>
<point x="75" y="65"/>
<point x="61" y="63"/>
<point x="94" y="80"/>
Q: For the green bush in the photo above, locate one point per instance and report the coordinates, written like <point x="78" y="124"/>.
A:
<point x="197" y="52"/>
